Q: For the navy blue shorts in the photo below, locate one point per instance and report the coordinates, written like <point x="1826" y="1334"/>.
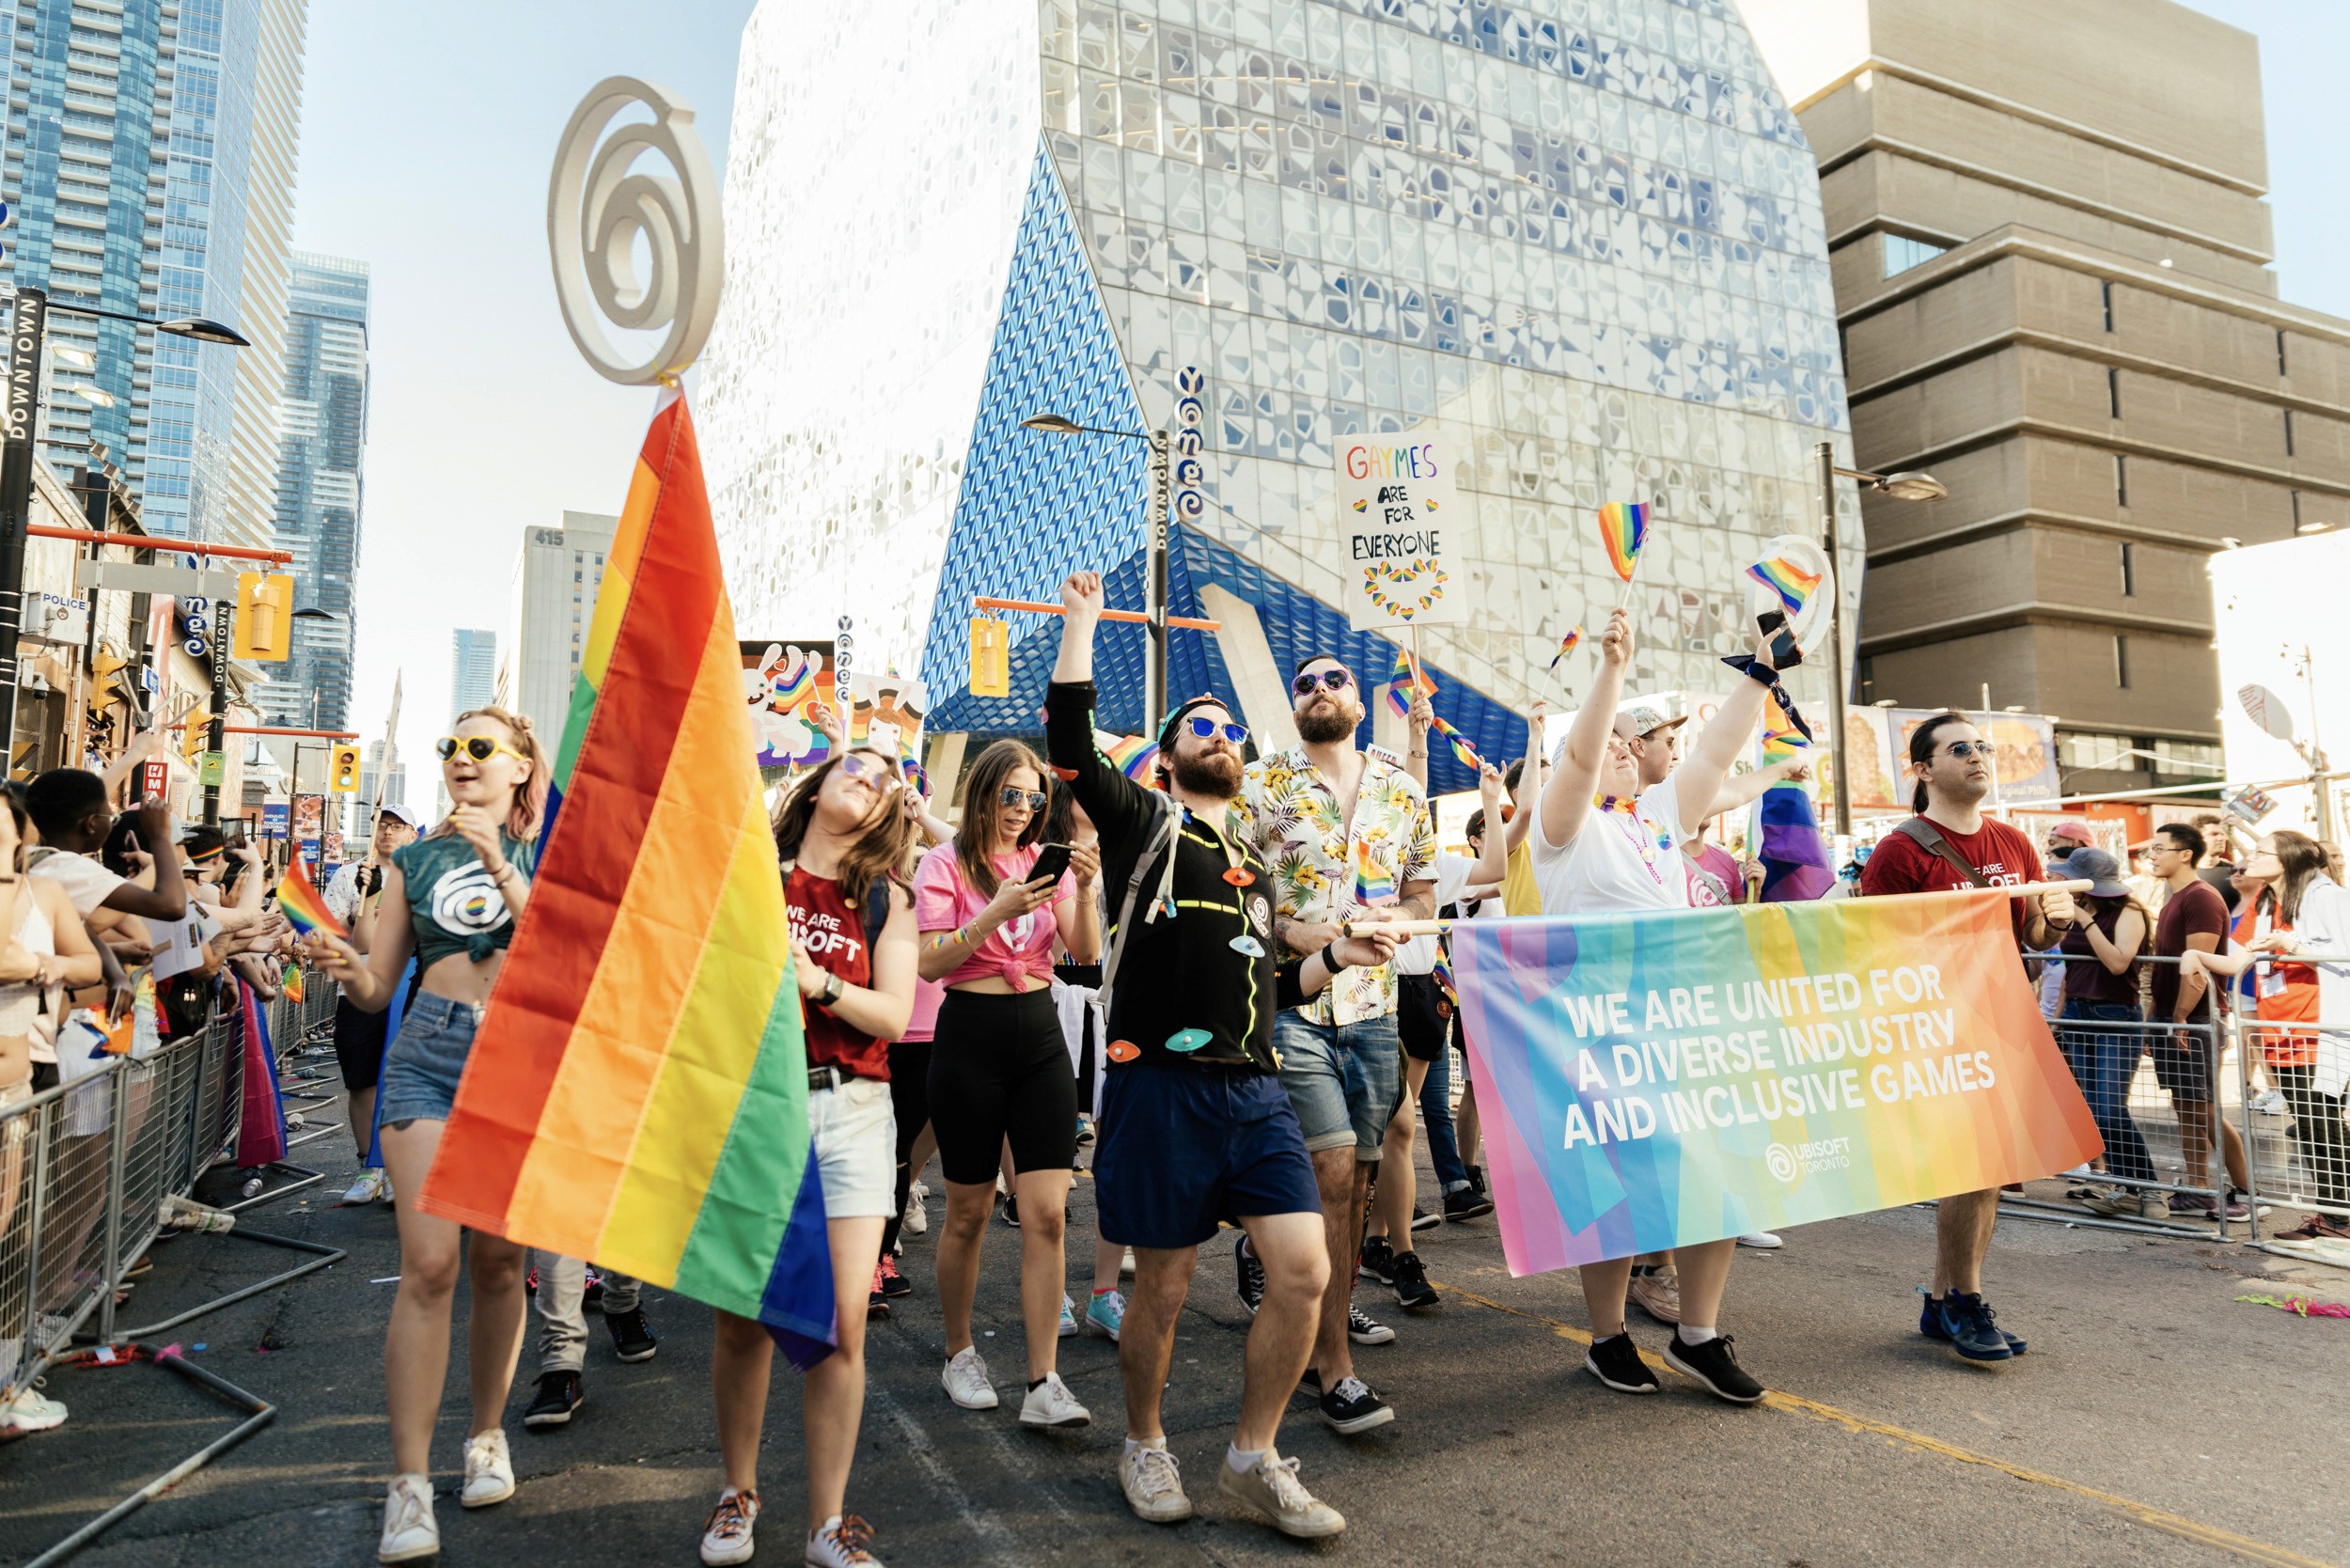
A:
<point x="1186" y="1147"/>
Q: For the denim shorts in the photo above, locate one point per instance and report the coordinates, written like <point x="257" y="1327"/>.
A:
<point x="855" y="1131"/>
<point x="1345" y="1080"/>
<point x="422" y="1066"/>
<point x="1184" y="1147"/>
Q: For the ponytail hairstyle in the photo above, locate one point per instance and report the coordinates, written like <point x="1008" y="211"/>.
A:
<point x="878" y="853"/>
<point x="975" y="836"/>
<point x="530" y="796"/>
<point x="2304" y="862"/>
<point x="1921" y="744"/>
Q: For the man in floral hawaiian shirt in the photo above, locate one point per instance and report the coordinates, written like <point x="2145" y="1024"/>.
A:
<point x="1348" y="837"/>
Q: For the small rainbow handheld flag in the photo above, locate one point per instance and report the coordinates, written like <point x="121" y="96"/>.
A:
<point x="1372" y="884"/>
<point x="1623" y="529"/>
<point x="1406" y="679"/>
<point x="1566" y="646"/>
<point x="638" y="1089"/>
<point x="1792" y="583"/>
<point x="1463" y="752"/>
<point x="298" y="896"/>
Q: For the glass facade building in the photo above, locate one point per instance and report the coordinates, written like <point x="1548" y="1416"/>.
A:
<point x="319" y="491"/>
<point x="1580" y="239"/>
<point x="151" y="161"/>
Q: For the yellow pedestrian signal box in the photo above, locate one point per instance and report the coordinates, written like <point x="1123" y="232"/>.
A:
<point x="342" y="775"/>
<point x="990" y="657"/>
<point x="264" y="629"/>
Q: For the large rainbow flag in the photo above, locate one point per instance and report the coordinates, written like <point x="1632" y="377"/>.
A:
<point x="1662" y="1079"/>
<point x="637" y="1094"/>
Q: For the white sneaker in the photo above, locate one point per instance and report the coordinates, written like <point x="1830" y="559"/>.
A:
<point x="966" y="1381"/>
<point x="370" y="1188"/>
<point x="1153" y="1485"/>
<point x="1126" y="1264"/>
<point x="727" y="1536"/>
<point x="1272" y="1488"/>
<point x="1068" y="1317"/>
<point x="31" y="1411"/>
<point x="917" y="1218"/>
<point x="488" y="1470"/>
<point x="410" y="1531"/>
<point x="2269" y="1103"/>
<point x="1051" y="1404"/>
<point x="1765" y="1240"/>
<point x="845" y="1542"/>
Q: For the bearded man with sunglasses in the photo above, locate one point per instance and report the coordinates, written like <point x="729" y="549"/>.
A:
<point x="1948" y="846"/>
<point x="1196" y="1127"/>
<point x="1349" y="837"/>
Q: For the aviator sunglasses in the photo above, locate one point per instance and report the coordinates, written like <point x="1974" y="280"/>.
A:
<point x="1013" y="796"/>
<point x="480" y="747"/>
<point x="1329" y="679"/>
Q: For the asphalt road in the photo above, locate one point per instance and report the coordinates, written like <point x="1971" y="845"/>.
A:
<point x="2154" y="1420"/>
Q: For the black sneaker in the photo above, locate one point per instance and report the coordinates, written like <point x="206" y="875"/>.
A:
<point x="1477" y="1181"/>
<point x="1310" y="1380"/>
<point x="1364" y="1330"/>
<point x="1422" y="1220"/>
<point x="1251" y="1273"/>
<point x="560" y="1394"/>
<point x="1412" y="1290"/>
<point x="1351" y="1407"/>
<point x="592" y="1291"/>
<point x="1011" y="1210"/>
<point x="632" y="1336"/>
<point x="1467" y="1204"/>
<point x="1378" y="1260"/>
<point x="1617" y="1363"/>
<point x="892" y="1284"/>
<point x="1715" y="1365"/>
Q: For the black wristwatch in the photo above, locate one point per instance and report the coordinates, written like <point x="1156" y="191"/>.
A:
<point x="833" y="988"/>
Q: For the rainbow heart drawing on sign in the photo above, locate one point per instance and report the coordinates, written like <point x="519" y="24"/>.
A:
<point x="1405" y="592"/>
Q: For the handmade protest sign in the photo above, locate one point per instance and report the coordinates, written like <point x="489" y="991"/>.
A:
<point x="1396" y="505"/>
<point x="1658" y="1080"/>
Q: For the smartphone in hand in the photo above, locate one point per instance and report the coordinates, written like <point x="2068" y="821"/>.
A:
<point x="1051" y="862"/>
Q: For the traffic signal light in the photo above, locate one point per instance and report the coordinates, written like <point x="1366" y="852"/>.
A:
<point x="197" y="737"/>
<point x="342" y="775"/>
<point x="990" y="657"/>
<point x="264" y="628"/>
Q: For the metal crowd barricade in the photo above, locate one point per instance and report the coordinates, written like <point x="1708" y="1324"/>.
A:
<point x="2296" y="1137"/>
<point x="2129" y="1069"/>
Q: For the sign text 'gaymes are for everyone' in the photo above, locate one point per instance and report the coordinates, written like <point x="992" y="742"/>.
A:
<point x="1666" y="1079"/>
<point x="1396" y="505"/>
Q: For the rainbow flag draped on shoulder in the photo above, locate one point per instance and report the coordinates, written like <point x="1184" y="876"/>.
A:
<point x="637" y="1094"/>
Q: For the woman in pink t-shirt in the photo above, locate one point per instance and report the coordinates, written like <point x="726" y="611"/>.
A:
<point x="999" y="1068"/>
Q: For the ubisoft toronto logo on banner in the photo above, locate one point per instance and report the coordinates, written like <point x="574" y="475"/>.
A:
<point x="600" y="203"/>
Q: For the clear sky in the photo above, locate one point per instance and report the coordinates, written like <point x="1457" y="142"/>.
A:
<point x="428" y="128"/>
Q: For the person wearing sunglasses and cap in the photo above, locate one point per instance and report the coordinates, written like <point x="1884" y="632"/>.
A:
<point x="1349" y="837"/>
<point x="452" y="899"/>
<point x="999" y="1068"/>
<point x="1197" y="1129"/>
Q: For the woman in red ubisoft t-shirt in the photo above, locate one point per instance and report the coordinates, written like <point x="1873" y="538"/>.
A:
<point x="841" y="837"/>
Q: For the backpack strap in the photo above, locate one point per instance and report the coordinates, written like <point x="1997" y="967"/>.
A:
<point x="876" y="912"/>
<point x="1929" y="838"/>
<point x="1162" y="833"/>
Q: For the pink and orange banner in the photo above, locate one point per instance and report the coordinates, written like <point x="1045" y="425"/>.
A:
<point x="1658" y="1080"/>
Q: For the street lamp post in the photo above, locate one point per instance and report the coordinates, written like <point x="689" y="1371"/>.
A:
<point x="1154" y="543"/>
<point x="1901" y="487"/>
<point x="28" y="331"/>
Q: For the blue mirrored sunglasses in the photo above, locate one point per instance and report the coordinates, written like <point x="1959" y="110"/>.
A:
<point x="1207" y="727"/>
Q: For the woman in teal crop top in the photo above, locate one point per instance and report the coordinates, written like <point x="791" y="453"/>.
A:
<point x="452" y="899"/>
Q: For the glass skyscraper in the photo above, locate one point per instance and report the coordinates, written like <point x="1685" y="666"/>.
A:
<point x="150" y="158"/>
<point x="319" y="487"/>
<point x="1580" y="239"/>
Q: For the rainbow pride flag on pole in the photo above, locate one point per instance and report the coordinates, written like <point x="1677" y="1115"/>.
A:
<point x="1623" y="529"/>
<point x="1792" y="583"/>
<point x="1406" y="679"/>
<point x="637" y="1094"/>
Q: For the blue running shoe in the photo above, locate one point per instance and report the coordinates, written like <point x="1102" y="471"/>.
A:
<point x="1964" y="1323"/>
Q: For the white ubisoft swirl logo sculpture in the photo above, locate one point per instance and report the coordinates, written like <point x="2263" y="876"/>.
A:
<point x="600" y="203"/>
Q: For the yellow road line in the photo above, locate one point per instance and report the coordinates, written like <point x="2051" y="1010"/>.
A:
<point x="1796" y="1405"/>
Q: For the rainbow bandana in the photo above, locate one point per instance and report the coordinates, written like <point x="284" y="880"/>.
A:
<point x="1623" y="529"/>
<point x="637" y="1090"/>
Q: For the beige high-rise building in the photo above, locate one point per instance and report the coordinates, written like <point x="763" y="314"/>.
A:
<point x="2051" y="256"/>
<point x="557" y="573"/>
